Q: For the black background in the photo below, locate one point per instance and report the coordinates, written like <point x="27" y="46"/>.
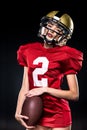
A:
<point x="19" y="25"/>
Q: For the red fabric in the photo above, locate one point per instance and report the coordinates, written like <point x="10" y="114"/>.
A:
<point x="47" y="67"/>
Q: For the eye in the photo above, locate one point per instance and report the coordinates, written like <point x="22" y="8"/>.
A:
<point x="58" y="30"/>
<point x="49" y="25"/>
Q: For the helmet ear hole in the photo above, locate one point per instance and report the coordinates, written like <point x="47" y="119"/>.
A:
<point x="68" y="36"/>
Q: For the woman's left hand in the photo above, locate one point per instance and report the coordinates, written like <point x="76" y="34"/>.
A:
<point x="35" y="92"/>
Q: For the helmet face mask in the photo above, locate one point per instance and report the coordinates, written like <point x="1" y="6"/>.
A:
<point x="64" y="24"/>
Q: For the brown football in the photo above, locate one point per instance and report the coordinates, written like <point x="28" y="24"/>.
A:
<point x="33" y="108"/>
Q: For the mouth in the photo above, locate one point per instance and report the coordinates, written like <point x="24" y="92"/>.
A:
<point x="49" y="35"/>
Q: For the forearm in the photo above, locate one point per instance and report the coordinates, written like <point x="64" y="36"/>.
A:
<point x="66" y="94"/>
<point x="23" y="91"/>
<point x="21" y="98"/>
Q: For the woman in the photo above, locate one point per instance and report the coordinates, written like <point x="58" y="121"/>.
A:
<point x="45" y="64"/>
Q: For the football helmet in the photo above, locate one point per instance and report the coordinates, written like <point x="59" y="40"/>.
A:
<point x="64" y="22"/>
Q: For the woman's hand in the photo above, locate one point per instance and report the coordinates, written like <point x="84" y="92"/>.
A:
<point x="35" y="92"/>
<point x="20" y="118"/>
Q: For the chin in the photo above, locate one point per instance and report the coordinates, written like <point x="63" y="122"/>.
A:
<point x="49" y="41"/>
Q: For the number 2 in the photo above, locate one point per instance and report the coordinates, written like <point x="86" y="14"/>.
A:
<point x="40" y="71"/>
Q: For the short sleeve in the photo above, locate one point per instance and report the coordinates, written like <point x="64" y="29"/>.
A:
<point x="73" y="63"/>
<point x="21" y="55"/>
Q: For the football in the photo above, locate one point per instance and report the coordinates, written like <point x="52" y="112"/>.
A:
<point x="33" y="108"/>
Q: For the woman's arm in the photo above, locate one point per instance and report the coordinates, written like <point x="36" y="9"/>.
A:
<point x="23" y="90"/>
<point x="71" y="94"/>
<point x="21" y="97"/>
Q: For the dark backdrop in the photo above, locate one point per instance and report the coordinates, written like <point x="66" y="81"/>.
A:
<point x="19" y="25"/>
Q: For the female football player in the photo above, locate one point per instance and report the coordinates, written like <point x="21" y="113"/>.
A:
<point x="45" y="66"/>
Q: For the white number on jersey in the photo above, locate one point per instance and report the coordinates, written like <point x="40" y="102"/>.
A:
<point x="40" y="71"/>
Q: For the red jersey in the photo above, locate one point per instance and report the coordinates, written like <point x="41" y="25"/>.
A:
<point x="47" y="68"/>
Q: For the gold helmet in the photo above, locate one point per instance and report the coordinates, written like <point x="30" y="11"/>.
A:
<point x="63" y="20"/>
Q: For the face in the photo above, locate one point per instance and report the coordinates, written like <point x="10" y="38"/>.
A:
<point x="52" y="31"/>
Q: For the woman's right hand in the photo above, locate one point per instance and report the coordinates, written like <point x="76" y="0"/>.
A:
<point x="20" y="118"/>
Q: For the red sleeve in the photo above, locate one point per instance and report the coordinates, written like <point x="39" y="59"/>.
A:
<point x="21" y="55"/>
<point x="73" y="63"/>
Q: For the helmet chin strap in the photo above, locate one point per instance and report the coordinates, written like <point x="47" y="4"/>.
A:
<point x="49" y="42"/>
